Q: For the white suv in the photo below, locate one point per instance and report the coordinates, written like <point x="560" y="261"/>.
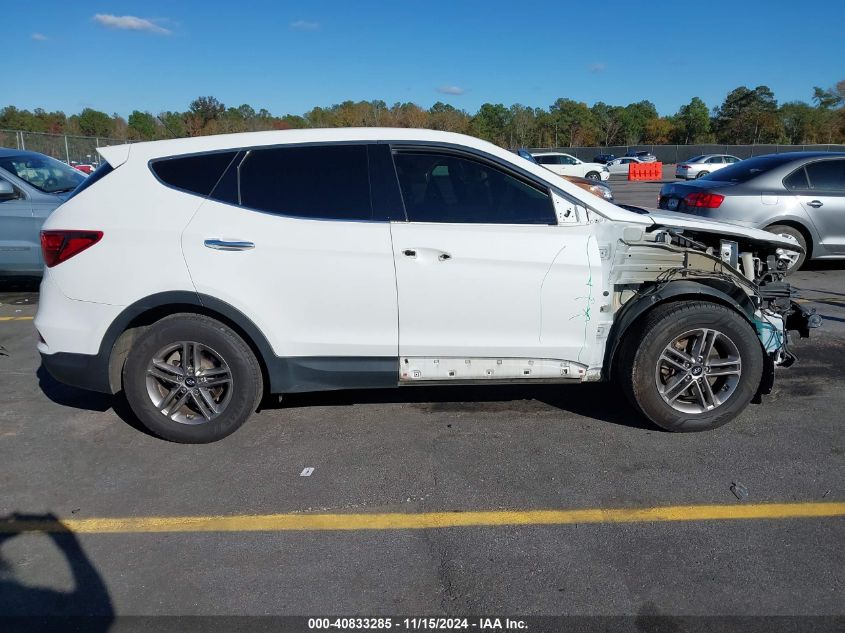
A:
<point x="193" y="275"/>
<point x="567" y="165"/>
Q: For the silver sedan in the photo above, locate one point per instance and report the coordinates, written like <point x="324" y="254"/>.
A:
<point x="620" y="165"/>
<point x="800" y="195"/>
<point x="699" y="166"/>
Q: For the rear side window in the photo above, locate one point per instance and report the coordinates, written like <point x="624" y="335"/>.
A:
<point x="195" y="174"/>
<point x="827" y="175"/>
<point x="326" y="182"/>
<point x="448" y="188"/>
<point x="797" y="180"/>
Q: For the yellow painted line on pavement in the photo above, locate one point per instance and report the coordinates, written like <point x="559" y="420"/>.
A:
<point x="423" y="520"/>
<point x="829" y="299"/>
<point x="23" y="318"/>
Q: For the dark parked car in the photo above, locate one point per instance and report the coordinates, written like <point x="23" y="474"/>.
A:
<point x="798" y="194"/>
<point x="646" y="157"/>
<point x="604" y="159"/>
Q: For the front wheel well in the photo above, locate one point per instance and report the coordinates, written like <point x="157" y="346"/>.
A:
<point x="620" y="338"/>
<point x="123" y="344"/>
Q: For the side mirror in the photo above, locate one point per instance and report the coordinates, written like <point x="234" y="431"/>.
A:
<point x="7" y="191"/>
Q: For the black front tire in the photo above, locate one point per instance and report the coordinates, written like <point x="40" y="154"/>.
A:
<point x="646" y="341"/>
<point x="244" y="370"/>
<point x="701" y="174"/>
<point x="593" y="175"/>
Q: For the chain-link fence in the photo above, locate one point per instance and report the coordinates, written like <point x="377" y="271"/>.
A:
<point x="70" y="149"/>
<point x="678" y="153"/>
<point x="83" y="149"/>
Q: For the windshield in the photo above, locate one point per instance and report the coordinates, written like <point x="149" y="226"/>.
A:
<point x="42" y="172"/>
<point x="749" y="168"/>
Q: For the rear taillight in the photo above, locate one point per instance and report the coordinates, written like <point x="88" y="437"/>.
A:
<point x="60" y="246"/>
<point x="684" y="166"/>
<point x="704" y="200"/>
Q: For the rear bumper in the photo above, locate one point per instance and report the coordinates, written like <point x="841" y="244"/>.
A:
<point x="72" y="333"/>
<point x="83" y="371"/>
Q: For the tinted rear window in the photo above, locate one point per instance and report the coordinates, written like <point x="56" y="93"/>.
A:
<point x="196" y="174"/>
<point x="827" y="175"/>
<point x="749" y="168"/>
<point x="327" y="182"/>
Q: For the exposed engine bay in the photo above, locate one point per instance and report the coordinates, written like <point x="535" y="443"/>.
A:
<point x="655" y="262"/>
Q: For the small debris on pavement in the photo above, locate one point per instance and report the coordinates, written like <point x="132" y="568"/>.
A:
<point x="306" y="472"/>
<point x="739" y="490"/>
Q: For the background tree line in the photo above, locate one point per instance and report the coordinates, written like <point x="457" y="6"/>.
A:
<point x="746" y="116"/>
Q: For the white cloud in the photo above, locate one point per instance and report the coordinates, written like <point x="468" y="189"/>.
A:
<point x="39" y="37"/>
<point x="451" y="90"/>
<point x="597" y="67"/>
<point x="305" y="25"/>
<point x="129" y="23"/>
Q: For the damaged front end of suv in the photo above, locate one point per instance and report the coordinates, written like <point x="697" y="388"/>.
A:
<point x="675" y="261"/>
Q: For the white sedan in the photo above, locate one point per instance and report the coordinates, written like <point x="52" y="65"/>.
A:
<point x="567" y="165"/>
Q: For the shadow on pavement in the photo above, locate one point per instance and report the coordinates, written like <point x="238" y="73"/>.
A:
<point x="24" y="607"/>
<point x="19" y="284"/>
<point x="601" y="401"/>
<point x="824" y="264"/>
<point x="68" y="396"/>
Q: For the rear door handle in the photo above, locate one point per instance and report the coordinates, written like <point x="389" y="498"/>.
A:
<point x="409" y="252"/>
<point x="815" y="204"/>
<point x="228" y="245"/>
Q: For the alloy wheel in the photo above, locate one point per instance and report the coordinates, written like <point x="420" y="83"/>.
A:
<point x="189" y="382"/>
<point x="698" y="371"/>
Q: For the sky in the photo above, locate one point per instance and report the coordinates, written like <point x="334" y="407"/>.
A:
<point x="119" y="56"/>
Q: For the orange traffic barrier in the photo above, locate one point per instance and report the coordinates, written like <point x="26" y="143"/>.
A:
<point x="645" y="171"/>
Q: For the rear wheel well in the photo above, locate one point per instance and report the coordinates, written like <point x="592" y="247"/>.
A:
<point x="801" y="229"/>
<point x="124" y="342"/>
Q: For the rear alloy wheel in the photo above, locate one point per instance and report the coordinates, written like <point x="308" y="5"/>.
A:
<point x="191" y="379"/>
<point x="795" y="259"/>
<point x="691" y="365"/>
<point x="593" y="175"/>
<point x="701" y="174"/>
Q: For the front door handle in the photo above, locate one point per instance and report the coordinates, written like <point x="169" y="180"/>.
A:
<point x="815" y="204"/>
<point x="409" y="252"/>
<point x="228" y="245"/>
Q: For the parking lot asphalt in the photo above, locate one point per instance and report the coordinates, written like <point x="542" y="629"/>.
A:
<point x="405" y="465"/>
